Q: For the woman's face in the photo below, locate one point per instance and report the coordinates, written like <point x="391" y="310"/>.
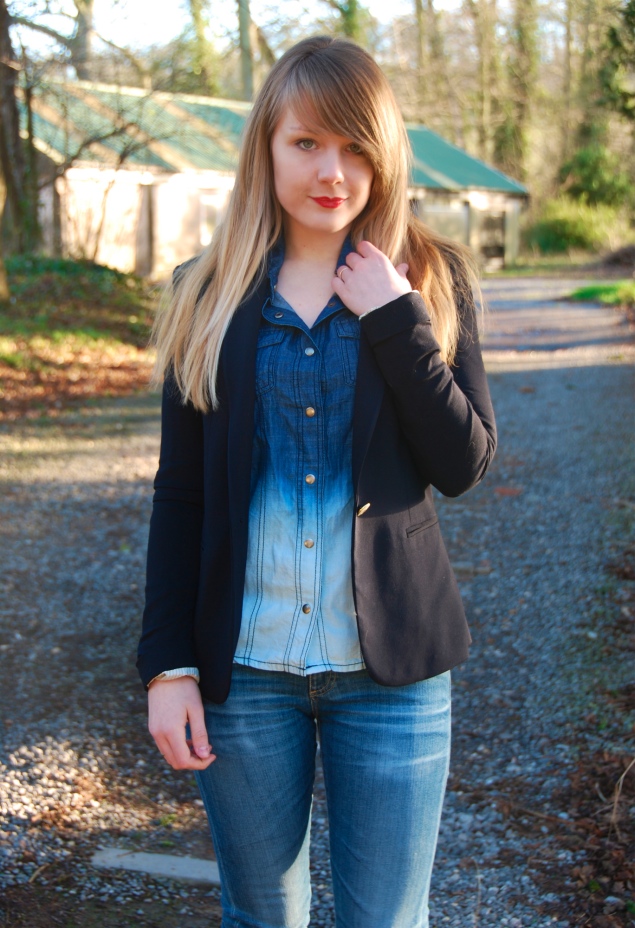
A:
<point x="322" y="180"/>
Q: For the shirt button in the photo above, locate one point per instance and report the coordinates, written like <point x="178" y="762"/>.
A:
<point x="309" y="543"/>
<point x="310" y="411"/>
<point x="363" y="509"/>
<point x="306" y="608"/>
<point x="309" y="351"/>
<point x="310" y="478"/>
<point x="279" y="315"/>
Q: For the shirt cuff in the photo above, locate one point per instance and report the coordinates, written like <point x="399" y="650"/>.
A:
<point x="175" y="674"/>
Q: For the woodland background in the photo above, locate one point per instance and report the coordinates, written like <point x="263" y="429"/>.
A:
<point x="544" y="91"/>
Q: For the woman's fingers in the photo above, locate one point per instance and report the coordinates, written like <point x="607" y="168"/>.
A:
<point x="199" y="740"/>
<point x="367" y="250"/>
<point x="369" y="279"/>
<point x="353" y="260"/>
<point x="183" y="756"/>
<point x="171" y="704"/>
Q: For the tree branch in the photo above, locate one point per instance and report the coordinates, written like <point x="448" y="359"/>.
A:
<point x="127" y="54"/>
<point x="133" y="145"/>
<point x="335" y="6"/>
<point x="65" y="40"/>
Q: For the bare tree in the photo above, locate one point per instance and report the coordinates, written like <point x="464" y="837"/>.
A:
<point x="522" y="78"/>
<point x="431" y="64"/>
<point x="246" y="50"/>
<point x="567" y="82"/>
<point x="4" y="282"/>
<point x="484" y="16"/>
<point x="350" y="12"/>
<point x="12" y="166"/>
<point x="203" y="63"/>
<point x="78" y="44"/>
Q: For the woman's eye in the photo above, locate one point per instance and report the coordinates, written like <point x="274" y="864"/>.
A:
<point x="306" y="144"/>
<point x="355" y="148"/>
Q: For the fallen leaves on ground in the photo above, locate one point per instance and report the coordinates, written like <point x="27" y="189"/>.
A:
<point x="57" y="379"/>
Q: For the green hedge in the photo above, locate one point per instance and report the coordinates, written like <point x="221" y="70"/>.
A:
<point x="565" y="225"/>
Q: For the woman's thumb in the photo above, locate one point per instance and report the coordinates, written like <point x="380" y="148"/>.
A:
<point x="402" y="269"/>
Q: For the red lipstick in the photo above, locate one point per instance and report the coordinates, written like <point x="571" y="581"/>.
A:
<point x="329" y="202"/>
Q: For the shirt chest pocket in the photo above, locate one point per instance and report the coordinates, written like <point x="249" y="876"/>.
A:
<point x="269" y="341"/>
<point x="348" y="338"/>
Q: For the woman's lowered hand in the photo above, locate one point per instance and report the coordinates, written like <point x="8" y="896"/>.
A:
<point x="369" y="280"/>
<point x="171" y="705"/>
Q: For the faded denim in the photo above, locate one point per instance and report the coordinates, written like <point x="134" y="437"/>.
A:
<point x="385" y="754"/>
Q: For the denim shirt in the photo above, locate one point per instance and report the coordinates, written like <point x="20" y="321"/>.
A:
<point x="298" y="610"/>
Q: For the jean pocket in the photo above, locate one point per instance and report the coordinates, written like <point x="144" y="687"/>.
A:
<point x="348" y="337"/>
<point x="269" y="341"/>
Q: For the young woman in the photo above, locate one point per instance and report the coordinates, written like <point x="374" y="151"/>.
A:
<point x="322" y="374"/>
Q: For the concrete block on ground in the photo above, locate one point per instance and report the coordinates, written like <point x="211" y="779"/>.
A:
<point x="188" y="869"/>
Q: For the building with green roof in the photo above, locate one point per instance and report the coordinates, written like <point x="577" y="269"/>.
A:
<point x="139" y="179"/>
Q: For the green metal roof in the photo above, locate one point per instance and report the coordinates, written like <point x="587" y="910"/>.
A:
<point x="226" y="119"/>
<point x="175" y="132"/>
<point x="160" y="124"/>
<point x="440" y="165"/>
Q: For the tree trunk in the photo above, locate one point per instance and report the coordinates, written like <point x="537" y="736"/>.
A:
<point x="81" y="46"/>
<point x="203" y="53"/>
<point x="422" y="62"/>
<point x="31" y="178"/>
<point x="246" y="53"/>
<point x="351" y="19"/>
<point x="565" y="149"/>
<point x="488" y="75"/>
<point x="522" y="79"/>
<point x="4" y="283"/>
<point x="11" y="152"/>
<point x="432" y="84"/>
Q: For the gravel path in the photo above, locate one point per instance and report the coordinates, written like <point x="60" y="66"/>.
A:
<point x="531" y="547"/>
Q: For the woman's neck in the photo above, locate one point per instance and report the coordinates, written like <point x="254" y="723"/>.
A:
<point x="306" y="276"/>
<point x="308" y="247"/>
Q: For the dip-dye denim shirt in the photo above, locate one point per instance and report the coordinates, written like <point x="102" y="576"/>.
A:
<point x="298" y="609"/>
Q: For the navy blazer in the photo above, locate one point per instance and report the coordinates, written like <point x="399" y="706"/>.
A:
<point x="417" y="423"/>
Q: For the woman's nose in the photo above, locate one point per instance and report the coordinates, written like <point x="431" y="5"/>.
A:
<point x="330" y="167"/>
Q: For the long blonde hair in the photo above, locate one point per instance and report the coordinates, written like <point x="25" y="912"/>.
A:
<point x="335" y="85"/>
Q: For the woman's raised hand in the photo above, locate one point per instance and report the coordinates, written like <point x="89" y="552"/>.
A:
<point x="171" y="704"/>
<point x="369" y="280"/>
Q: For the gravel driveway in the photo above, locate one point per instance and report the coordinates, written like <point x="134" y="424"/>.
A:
<point x="533" y="548"/>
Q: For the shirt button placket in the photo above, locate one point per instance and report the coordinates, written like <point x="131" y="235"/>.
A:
<point x="310" y="517"/>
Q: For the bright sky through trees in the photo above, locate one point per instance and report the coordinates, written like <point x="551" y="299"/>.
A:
<point x="157" y="21"/>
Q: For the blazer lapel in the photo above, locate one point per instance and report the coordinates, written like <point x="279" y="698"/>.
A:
<point x="369" y="392"/>
<point x="239" y="369"/>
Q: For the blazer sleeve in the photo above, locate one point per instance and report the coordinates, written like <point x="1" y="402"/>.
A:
<point x="445" y="412"/>
<point x="174" y="545"/>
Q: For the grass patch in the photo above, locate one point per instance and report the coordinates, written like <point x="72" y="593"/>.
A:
<point x="532" y="263"/>
<point x="617" y="293"/>
<point x="71" y="330"/>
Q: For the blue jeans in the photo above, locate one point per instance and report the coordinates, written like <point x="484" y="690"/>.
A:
<point x="385" y="754"/>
